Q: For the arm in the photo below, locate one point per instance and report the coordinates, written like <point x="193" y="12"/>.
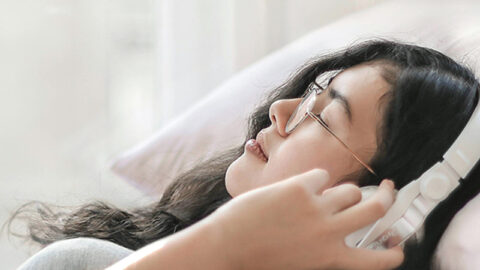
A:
<point x="194" y="248"/>
<point x="283" y="226"/>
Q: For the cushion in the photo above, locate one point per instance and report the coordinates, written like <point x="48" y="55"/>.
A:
<point x="460" y="244"/>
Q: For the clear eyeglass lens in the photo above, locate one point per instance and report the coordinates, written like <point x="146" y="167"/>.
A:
<point x="300" y="112"/>
<point x="314" y="87"/>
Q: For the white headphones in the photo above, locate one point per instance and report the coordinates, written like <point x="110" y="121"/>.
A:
<point x="416" y="200"/>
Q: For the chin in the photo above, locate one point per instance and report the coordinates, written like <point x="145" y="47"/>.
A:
<point x="235" y="179"/>
<point x="228" y="179"/>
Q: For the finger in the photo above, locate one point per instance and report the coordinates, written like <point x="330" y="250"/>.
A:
<point x="360" y="258"/>
<point x="340" y="197"/>
<point x="315" y="181"/>
<point x="368" y="211"/>
<point x="394" y="241"/>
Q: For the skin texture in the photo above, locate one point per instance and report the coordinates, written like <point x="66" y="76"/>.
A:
<point x="238" y="236"/>
<point x="310" y="145"/>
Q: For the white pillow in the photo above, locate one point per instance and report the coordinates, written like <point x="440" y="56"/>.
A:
<point x="459" y="247"/>
<point x="219" y="120"/>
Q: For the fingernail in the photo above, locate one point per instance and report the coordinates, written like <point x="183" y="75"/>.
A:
<point x="388" y="183"/>
<point x="387" y="200"/>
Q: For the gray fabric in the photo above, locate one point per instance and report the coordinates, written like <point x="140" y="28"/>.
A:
<point x="76" y="254"/>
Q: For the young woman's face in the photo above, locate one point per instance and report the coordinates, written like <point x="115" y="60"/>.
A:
<point x="310" y="145"/>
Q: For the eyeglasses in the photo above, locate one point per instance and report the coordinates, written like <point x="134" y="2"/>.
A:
<point x="304" y="109"/>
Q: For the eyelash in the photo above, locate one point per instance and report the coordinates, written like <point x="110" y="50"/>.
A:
<point x="320" y="116"/>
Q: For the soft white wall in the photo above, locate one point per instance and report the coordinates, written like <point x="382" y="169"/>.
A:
<point x="81" y="81"/>
<point x="203" y="42"/>
<point x="76" y="79"/>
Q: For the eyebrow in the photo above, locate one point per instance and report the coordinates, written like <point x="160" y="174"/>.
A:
<point x="335" y="95"/>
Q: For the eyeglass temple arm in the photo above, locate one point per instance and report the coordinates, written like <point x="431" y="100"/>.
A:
<point x="346" y="146"/>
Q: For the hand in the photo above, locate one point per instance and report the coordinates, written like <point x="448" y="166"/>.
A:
<point x="292" y="225"/>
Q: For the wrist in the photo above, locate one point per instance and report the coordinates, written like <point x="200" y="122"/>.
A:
<point x="216" y="251"/>
<point x="199" y="246"/>
<point x="223" y="244"/>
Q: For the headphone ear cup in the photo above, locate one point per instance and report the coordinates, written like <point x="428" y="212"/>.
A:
<point x="354" y="238"/>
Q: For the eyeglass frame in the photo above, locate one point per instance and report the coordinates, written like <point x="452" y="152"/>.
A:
<point x="318" y="90"/>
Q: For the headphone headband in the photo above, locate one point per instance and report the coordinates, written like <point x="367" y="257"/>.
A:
<point x="465" y="151"/>
<point x="416" y="200"/>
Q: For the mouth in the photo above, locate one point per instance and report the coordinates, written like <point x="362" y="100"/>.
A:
<point x="261" y="143"/>
<point x="253" y="147"/>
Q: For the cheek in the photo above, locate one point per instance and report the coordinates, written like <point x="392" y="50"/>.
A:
<point x="296" y="157"/>
<point x="307" y="154"/>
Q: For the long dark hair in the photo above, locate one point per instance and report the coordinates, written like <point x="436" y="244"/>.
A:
<point x="430" y="100"/>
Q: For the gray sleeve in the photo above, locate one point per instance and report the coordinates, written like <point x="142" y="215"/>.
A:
<point x="76" y="254"/>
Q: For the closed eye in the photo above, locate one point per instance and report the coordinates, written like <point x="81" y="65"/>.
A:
<point x="323" y="121"/>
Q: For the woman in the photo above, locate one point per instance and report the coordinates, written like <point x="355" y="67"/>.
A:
<point x="389" y="110"/>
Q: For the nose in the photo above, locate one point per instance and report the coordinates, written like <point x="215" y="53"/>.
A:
<point x="280" y="111"/>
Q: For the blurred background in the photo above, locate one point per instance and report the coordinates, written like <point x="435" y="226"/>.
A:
<point x="82" y="81"/>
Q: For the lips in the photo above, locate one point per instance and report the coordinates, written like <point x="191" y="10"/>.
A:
<point x="261" y="142"/>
